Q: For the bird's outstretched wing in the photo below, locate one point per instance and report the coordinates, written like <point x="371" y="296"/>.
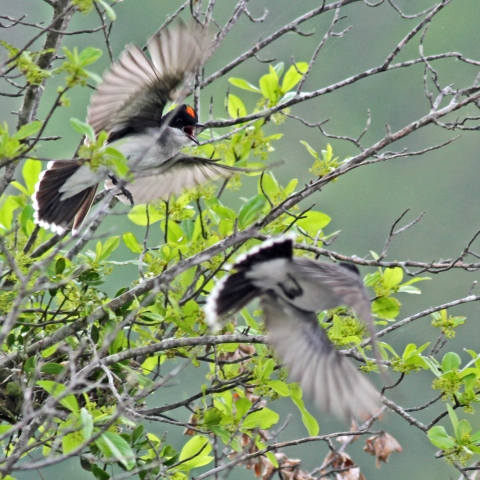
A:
<point x="172" y="177"/>
<point x="135" y="89"/>
<point x="341" y="283"/>
<point x="326" y="376"/>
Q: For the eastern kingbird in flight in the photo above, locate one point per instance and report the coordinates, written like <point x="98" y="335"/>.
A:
<point x="291" y="290"/>
<point x="129" y="104"/>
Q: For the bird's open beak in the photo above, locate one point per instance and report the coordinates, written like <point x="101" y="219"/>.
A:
<point x="192" y="131"/>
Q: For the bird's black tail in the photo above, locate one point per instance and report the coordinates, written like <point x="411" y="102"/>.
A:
<point x="279" y="247"/>
<point x="234" y="291"/>
<point x="50" y="210"/>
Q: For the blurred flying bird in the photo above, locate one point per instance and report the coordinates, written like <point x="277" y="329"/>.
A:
<point x="129" y="104"/>
<point x="291" y="289"/>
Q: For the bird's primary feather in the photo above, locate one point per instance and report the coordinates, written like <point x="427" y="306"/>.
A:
<point x="136" y="89"/>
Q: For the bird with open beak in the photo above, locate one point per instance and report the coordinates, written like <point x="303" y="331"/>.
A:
<point x="129" y="105"/>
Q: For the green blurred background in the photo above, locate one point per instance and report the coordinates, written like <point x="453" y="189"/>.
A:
<point x="363" y="204"/>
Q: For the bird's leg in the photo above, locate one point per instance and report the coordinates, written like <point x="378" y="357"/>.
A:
<point x="124" y="191"/>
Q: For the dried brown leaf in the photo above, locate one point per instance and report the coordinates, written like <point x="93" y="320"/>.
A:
<point x="347" y="470"/>
<point x="382" y="446"/>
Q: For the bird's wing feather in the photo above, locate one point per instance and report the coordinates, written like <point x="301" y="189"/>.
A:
<point x="325" y="375"/>
<point x="342" y="286"/>
<point x="180" y="173"/>
<point x="339" y="286"/>
<point x="137" y="89"/>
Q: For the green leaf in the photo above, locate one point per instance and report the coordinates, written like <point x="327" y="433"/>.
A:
<point x="269" y="87"/>
<point x="251" y="211"/>
<point x="392" y="277"/>
<point x="137" y="433"/>
<point x="197" y="447"/>
<point x="29" y="365"/>
<point x="277" y="69"/>
<point x="310" y="150"/>
<point x="386" y="307"/>
<point x="279" y="387"/>
<point x="451" y="361"/>
<point x="411" y="349"/>
<point x="131" y="242"/>
<point x="372" y="278"/>
<point x="117" y="344"/>
<point x="242" y="406"/>
<point x="86" y="423"/>
<point x="385" y="346"/>
<point x="50" y="350"/>
<point x="89" y="55"/>
<point x="290" y="186"/>
<point x="265" y="369"/>
<point x="30" y="172"/>
<point x="439" y="437"/>
<point x="475" y="357"/>
<point x="26" y="220"/>
<point x="138" y="215"/>
<point x="453" y="417"/>
<point x="60" y="266"/>
<point x="83" y="128"/>
<point x="469" y="380"/>
<point x="20" y="187"/>
<point x="96" y="78"/>
<point x="118" y="163"/>
<point x="99" y="473"/>
<point x="269" y="185"/>
<point x="212" y="417"/>
<point x="249" y="319"/>
<point x="108" y="10"/>
<point x="294" y="75"/>
<point x="473" y="438"/>
<point x="223" y="434"/>
<point x="409" y="289"/>
<point x="71" y="441"/>
<point x="108" y="248"/>
<point x="151" y="363"/>
<point x="6" y="212"/>
<point x="432" y="365"/>
<point x="417" y="360"/>
<point x="27" y="130"/>
<point x="241" y="83"/>
<point x="52" y="368"/>
<point x="264" y="419"/>
<point x="113" y="445"/>
<point x="463" y="430"/>
<point x="313" y="222"/>
<point x="272" y="458"/>
<point x="175" y="233"/>
<point x="56" y="390"/>
<point x="235" y="107"/>
<point x="223" y="212"/>
<point x="308" y="419"/>
<point x="288" y="96"/>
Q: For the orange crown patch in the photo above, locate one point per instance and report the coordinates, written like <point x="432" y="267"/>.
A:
<point x="190" y="111"/>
